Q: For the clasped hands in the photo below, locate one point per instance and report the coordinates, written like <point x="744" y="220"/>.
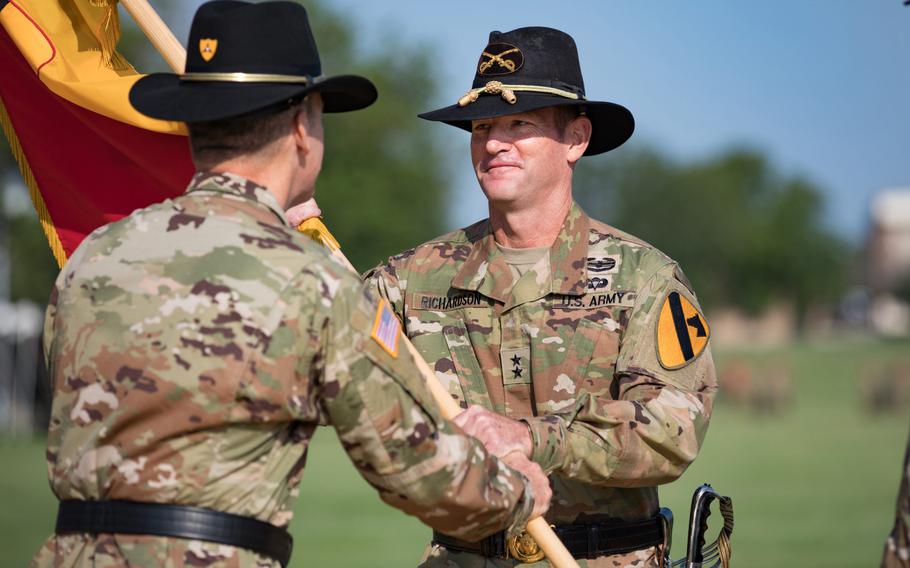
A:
<point x="511" y="441"/>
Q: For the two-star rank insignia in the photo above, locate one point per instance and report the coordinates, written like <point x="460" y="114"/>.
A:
<point x="682" y="332"/>
<point x="516" y="365"/>
<point x="207" y="48"/>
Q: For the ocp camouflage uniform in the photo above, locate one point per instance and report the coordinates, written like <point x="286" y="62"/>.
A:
<point x="570" y="349"/>
<point x="897" y="547"/>
<point x="195" y="346"/>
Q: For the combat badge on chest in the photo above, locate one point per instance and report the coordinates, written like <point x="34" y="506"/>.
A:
<point x="601" y="272"/>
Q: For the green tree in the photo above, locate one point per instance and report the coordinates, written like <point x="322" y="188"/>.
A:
<point x="33" y="268"/>
<point x="902" y="288"/>
<point x="745" y="235"/>
<point x="382" y="186"/>
<point x="31" y="264"/>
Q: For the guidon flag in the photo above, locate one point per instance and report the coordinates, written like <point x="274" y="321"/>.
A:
<point x="87" y="157"/>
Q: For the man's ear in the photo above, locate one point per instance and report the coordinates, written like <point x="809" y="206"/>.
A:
<point x="578" y="135"/>
<point x="301" y="127"/>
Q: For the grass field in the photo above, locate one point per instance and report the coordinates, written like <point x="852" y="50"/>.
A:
<point x="814" y="486"/>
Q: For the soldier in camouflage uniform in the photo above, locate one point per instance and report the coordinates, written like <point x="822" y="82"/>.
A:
<point x="195" y="345"/>
<point x="567" y="340"/>
<point x="897" y="547"/>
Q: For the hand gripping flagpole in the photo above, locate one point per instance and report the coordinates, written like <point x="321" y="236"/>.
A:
<point x="175" y="55"/>
<point x="538" y="528"/>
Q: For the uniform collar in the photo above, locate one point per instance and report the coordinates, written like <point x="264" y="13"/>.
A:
<point x="485" y="269"/>
<point x="239" y="186"/>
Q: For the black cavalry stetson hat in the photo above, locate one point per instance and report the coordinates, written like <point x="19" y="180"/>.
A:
<point x="244" y="57"/>
<point x="532" y="68"/>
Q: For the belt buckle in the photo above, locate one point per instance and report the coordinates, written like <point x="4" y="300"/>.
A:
<point x="524" y="548"/>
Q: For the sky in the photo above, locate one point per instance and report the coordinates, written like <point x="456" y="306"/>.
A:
<point x="820" y="86"/>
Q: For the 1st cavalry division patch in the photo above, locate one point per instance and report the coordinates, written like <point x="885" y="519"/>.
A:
<point x="682" y="332"/>
<point x="386" y="329"/>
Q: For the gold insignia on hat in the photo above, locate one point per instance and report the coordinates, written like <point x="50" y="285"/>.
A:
<point x="507" y="92"/>
<point x="682" y="332"/>
<point x="207" y="48"/>
<point x="500" y="59"/>
<point x="492" y="88"/>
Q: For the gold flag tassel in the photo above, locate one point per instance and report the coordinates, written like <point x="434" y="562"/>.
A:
<point x="107" y="32"/>
<point x="319" y="233"/>
<point x="316" y="230"/>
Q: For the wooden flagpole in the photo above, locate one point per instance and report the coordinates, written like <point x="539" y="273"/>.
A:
<point x="157" y="32"/>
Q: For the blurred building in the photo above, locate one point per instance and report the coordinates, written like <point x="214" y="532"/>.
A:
<point x="887" y="270"/>
<point x="22" y="403"/>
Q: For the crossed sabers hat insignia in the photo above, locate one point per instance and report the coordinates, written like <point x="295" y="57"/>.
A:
<point x="498" y="59"/>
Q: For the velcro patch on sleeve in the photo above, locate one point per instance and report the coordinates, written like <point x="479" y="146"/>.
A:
<point x="386" y="329"/>
<point x="682" y="332"/>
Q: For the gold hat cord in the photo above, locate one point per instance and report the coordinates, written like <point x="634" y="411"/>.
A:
<point x="507" y="92"/>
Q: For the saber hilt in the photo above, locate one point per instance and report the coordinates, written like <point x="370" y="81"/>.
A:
<point x="718" y="552"/>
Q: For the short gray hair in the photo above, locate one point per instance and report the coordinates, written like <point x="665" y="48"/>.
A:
<point x="563" y="115"/>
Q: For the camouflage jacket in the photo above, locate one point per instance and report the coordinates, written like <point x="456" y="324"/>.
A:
<point x="588" y="350"/>
<point x="897" y="547"/>
<point x="194" y="347"/>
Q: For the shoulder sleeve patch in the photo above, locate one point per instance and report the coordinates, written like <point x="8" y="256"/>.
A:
<point x="682" y="332"/>
<point x="386" y="329"/>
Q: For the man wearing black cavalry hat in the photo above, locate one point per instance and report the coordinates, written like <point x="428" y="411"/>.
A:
<point x="567" y="340"/>
<point x="195" y="345"/>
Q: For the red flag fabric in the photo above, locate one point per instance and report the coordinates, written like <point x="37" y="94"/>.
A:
<point x="83" y="169"/>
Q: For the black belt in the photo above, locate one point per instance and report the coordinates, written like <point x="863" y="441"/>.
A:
<point x="178" y="521"/>
<point x="583" y="540"/>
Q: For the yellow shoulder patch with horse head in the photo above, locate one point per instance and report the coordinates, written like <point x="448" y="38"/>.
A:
<point x="682" y="332"/>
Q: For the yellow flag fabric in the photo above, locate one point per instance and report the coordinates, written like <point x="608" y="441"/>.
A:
<point x="86" y="156"/>
<point x="70" y="45"/>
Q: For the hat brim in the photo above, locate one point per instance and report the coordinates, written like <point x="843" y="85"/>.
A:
<point x="166" y="97"/>
<point x="613" y="124"/>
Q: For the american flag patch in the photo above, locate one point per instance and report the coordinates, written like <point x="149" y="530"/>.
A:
<point x="386" y="329"/>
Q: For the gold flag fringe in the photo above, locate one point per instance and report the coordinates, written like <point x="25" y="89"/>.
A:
<point x="108" y="35"/>
<point x="50" y="231"/>
<point x="317" y="231"/>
